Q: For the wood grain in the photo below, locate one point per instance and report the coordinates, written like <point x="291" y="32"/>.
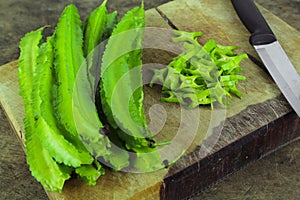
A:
<point x="224" y="140"/>
<point x="10" y="99"/>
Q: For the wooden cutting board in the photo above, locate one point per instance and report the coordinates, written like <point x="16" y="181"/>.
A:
<point x="224" y="141"/>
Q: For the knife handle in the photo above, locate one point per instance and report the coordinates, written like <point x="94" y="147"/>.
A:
<point x="253" y="20"/>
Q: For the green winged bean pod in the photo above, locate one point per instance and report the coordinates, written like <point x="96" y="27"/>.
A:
<point x="121" y="89"/>
<point x="94" y="28"/>
<point x="38" y="158"/>
<point x="49" y="133"/>
<point x="70" y="67"/>
<point x="68" y="48"/>
<point x="126" y="37"/>
<point x="61" y="150"/>
<point x="97" y="28"/>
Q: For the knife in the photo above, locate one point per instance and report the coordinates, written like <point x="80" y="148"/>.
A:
<point x="270" y="51"/>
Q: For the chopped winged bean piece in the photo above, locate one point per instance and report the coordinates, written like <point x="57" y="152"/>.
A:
<point x="200" y="75"/>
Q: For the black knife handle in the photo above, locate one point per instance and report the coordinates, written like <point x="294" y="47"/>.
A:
<point x="253" y="20"/>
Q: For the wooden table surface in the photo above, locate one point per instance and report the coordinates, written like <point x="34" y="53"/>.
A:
<point x="251" y="128"/>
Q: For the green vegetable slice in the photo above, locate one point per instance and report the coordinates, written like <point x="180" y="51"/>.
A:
<point x="200" y="75"/>
<point x="41" y="163"/>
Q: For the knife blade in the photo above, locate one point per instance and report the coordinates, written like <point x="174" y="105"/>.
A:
<point x="270" y="51"/>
